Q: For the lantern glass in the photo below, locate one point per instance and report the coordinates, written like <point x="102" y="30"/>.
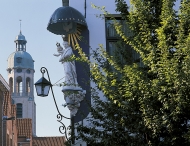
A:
<point x="42" y="87"/>
<point x="42" y="90"/>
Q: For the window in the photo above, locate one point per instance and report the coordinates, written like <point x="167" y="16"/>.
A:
<point x="19" y="70"/>
<point x="11" y="142"/>
<point x="28" y="71"/>
<point x="116" y="47"/>
<point x="18" y="59"/>
<point x="27" y="85"/>
<point x="19" y="110"/>
<point x="11" y="84"/>
<point x="19" y="85"/>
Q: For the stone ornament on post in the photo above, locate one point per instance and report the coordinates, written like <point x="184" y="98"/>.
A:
<point x="73" y="99"/>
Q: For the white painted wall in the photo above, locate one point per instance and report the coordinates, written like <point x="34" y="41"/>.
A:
<point x="96" y="27"/>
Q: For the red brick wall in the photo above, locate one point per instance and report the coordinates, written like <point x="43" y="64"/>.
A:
<point x="10" y="129"/>
<point x="1" y="104"/>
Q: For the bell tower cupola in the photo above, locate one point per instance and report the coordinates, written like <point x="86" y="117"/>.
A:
<point x="20" y="42"/>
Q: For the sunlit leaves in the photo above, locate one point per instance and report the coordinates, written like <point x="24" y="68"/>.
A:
<point x="147" y="105"/>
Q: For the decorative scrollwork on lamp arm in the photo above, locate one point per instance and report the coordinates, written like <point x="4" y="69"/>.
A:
<point x="43" y="82"/>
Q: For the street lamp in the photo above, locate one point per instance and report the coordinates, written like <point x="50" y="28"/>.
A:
<point x="5" y="118"/>
<point x="42" y="88"/>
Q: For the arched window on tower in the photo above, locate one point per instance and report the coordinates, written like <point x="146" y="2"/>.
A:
<point x="24" y="48"/>
<point x="11" y="84"/>
<point x="28" y="89"/>
<point x="18" y="47"/>
<point x="19" y="85"/>
<point x="19" y="110"/>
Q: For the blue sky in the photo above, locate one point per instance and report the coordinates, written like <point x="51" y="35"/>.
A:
<point x="41" y="46"/>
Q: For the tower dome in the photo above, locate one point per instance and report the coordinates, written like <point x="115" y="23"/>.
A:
<point x="20" y="58"/>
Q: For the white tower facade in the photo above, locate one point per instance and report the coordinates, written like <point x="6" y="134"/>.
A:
<point x="21" y="80"/>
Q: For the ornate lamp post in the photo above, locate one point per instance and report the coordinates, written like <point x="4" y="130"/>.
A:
<point x="71" y="97"/>
<point x="42" y="88"/>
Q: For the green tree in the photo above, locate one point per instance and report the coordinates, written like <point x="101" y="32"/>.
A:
<point x="149" y="104"/>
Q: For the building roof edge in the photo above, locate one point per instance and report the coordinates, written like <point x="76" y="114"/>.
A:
<point x="6" y="85"/>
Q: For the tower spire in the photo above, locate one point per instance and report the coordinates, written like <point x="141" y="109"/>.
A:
<point x="20" y="25"/>
<point x="20" y="41"/>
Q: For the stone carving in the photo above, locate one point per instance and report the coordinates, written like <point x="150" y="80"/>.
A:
<point x="73" y="94"/>
<point x="66" y="52"/>
<point x="73" y="100"/>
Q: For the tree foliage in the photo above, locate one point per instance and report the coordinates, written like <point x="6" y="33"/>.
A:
<point x="147" y="105"/>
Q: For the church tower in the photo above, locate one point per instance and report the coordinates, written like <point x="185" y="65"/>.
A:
<point x="21" y="80"/>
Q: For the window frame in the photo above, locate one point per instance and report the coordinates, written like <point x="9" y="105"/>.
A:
<point x="19" y="110"/>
